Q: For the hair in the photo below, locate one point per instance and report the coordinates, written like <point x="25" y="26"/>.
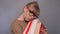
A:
<point x="35" y="5"/>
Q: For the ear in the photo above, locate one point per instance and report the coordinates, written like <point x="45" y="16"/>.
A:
<point x="25" y="9"/>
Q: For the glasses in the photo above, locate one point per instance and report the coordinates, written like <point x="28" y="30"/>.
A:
<point x="33" y="13"/>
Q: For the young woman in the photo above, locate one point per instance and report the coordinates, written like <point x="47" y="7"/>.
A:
<point x="28" y="22"/>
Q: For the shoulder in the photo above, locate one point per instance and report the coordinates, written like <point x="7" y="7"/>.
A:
<point x="15" y="23"/>
<point x="43" y="29"/>
<point x="15" y="27"/>
<point x="39" y="23"/>
<point x="42" y="25"/>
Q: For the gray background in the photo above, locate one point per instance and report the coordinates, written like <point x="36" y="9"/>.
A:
<point x="11" y="9"/>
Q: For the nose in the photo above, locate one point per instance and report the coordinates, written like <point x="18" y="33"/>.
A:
<point x="32" y="16"/>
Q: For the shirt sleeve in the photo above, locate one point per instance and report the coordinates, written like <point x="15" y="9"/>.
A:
<point x="43" y="29"/>
<point x="15" y="29"/>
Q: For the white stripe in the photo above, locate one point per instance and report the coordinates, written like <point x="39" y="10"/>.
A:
<point x="32" y="28"/>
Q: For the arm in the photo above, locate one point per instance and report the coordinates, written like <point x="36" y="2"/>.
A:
<point x="15" y="29"/>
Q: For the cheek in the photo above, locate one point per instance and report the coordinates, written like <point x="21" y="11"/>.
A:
<point x="28" y="16"/>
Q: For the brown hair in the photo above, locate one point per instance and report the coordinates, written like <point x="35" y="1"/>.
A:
<point x="35" y="5"/>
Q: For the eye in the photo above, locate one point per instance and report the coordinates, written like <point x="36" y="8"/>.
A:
<point x="30" y="11"/>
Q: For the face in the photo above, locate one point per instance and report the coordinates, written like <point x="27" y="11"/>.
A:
<point x="30" y="13"/>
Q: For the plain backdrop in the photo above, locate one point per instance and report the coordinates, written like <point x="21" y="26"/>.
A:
<point x="12" y="9"/>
